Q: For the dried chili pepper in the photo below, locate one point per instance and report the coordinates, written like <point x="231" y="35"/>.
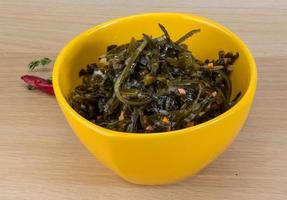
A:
<point x="39" y="83"/>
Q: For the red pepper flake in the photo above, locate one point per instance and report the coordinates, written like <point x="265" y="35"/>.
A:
<point x="214" y="93"/>
<point x="181" y="91"/>
<point x="165" y="120"/>
<point x="210" y="65"/>
<point x="122" y="117"/>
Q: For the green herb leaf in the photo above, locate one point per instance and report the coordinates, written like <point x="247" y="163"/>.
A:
<point x="44" y="61"/>
<point x="30" y="87"/>
<point x="49" y="79"/>
<point x="33" y="64"/>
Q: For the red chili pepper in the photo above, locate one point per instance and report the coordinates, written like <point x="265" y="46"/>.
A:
<point x="39" y="83"/>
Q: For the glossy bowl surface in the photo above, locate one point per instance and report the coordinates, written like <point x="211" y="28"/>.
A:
<point x="157" y="158"/>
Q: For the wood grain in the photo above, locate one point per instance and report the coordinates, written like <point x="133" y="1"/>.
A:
<point x="40" y="158"/>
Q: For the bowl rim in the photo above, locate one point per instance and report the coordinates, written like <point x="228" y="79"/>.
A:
<point x="108" y="132"/>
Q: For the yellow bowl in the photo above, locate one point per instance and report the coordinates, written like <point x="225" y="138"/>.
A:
<point x="159" y="158"/>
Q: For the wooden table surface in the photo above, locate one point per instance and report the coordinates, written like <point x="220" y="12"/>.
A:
<point x="40" y="157"/>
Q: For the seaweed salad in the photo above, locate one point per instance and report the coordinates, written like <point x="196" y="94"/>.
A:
<point x="154" y="85"/>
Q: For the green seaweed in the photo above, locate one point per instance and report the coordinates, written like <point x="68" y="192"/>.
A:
<point x="154" y="85"/>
